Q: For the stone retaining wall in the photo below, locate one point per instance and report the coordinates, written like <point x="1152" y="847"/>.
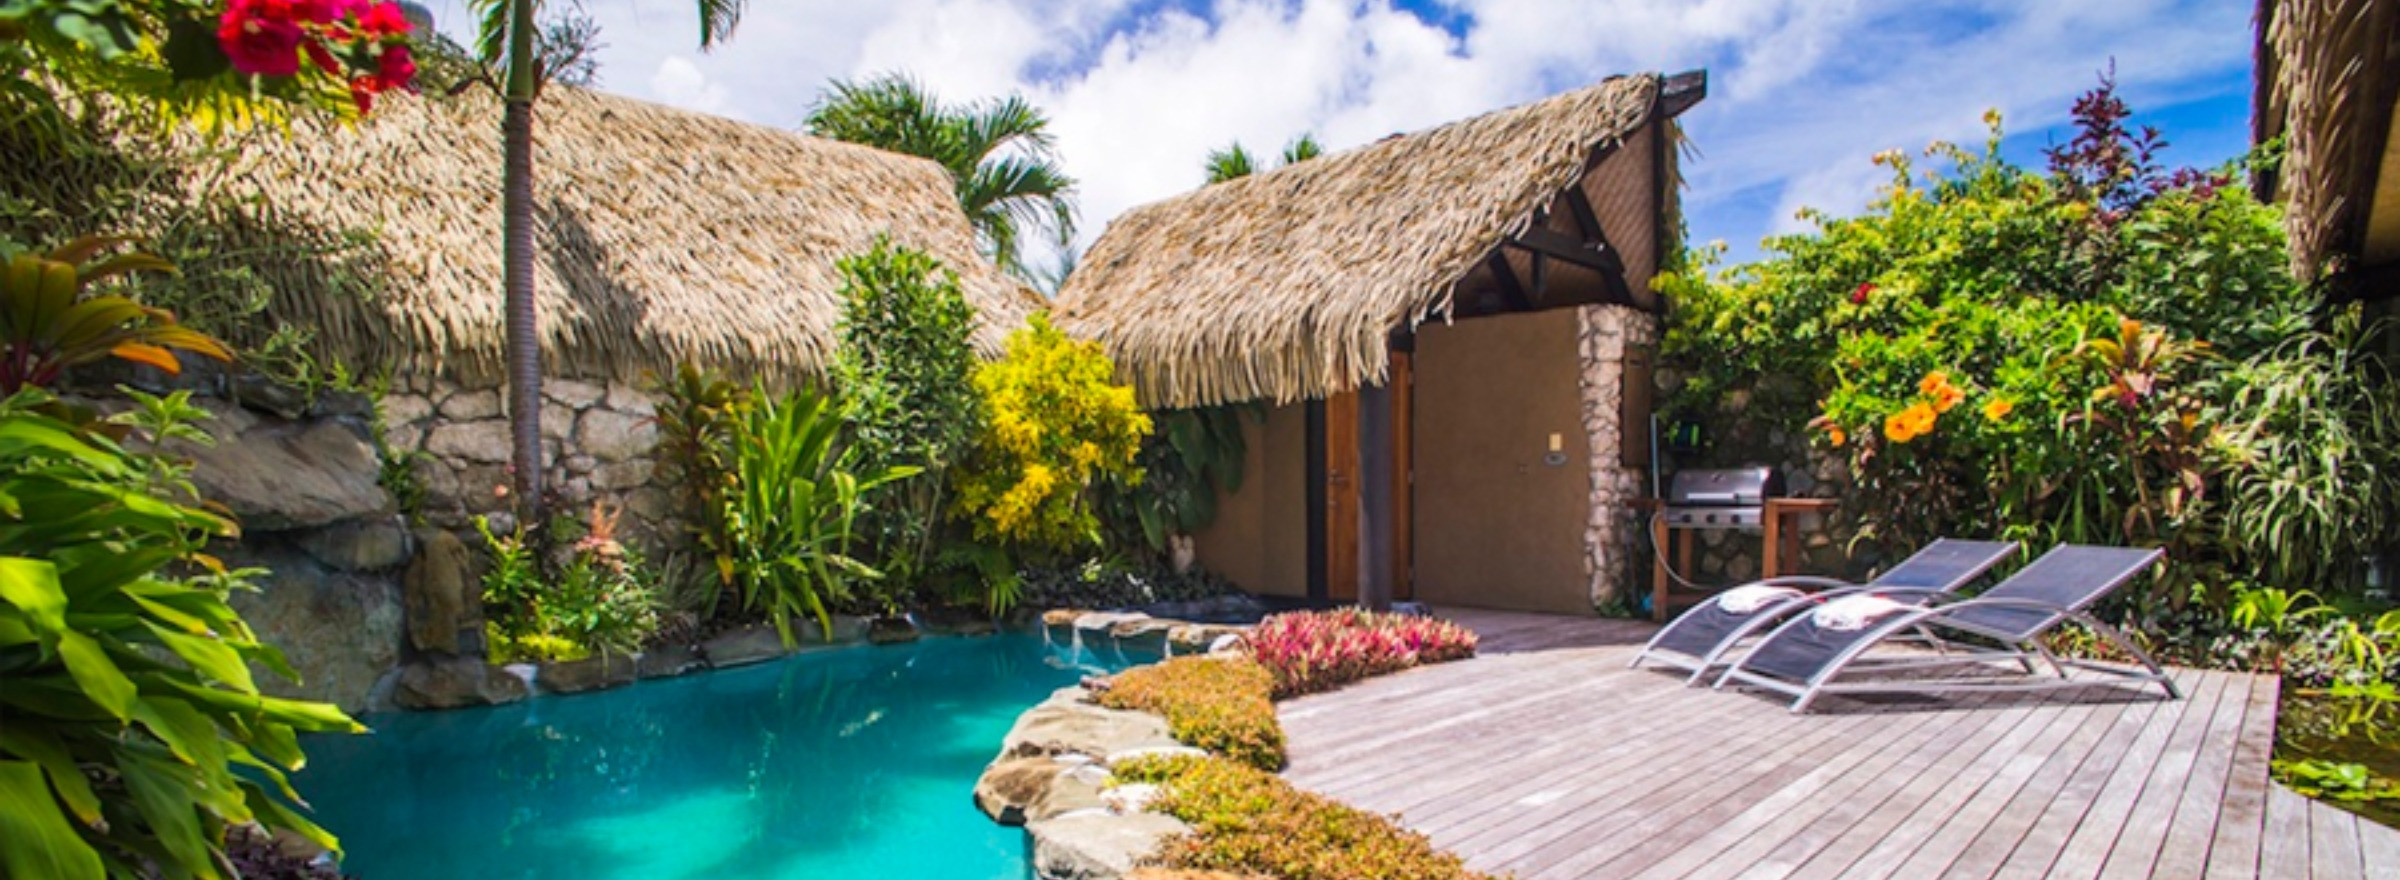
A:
<point x="598" y="442"/>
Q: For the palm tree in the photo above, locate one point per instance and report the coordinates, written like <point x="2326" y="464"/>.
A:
<point x="507" y="37"/>
<point x="1235" y="161"/>
<point x="999" y="153"/>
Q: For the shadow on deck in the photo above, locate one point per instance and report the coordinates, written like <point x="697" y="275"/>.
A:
<point x="1546" y="757"/>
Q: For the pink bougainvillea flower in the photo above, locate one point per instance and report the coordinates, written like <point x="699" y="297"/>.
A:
<point x="322" y="57"/>
<point x="383" y="20"/>
<point x="395" y="69"/>
<point x="260" y="37"/>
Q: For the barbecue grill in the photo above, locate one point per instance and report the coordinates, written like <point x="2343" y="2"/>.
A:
<point x="1731" y="499"/>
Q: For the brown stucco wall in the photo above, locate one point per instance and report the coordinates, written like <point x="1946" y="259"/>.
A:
<point x="1260" y="537"/>
<point x="1497" y="525"/>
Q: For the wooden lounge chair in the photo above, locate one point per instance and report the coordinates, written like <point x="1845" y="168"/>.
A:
<point x="1816" y="653"/>
<point x="1700" y="639"/>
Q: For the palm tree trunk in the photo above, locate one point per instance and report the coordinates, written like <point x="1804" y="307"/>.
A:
<point x="524" y="342"/>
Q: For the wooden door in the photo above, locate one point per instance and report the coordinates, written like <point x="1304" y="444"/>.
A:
<point x="1341" y="497"/>
<point x="1403" y="476"/>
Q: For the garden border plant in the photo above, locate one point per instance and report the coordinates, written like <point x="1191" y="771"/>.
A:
<point x="1243" y="817"/>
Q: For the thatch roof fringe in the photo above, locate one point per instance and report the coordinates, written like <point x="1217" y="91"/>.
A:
<point x="2328" y="72"/>
<point x="1287" y="285"/>
<point x="665" y="236"/>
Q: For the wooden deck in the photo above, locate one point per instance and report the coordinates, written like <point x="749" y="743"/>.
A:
<point x="1547" y="758"/>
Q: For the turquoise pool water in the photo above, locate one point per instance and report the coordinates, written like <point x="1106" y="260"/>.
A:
<point x="852" y="762"/>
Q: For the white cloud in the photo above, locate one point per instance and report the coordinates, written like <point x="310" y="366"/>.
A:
<point x="1802" y="91"/>
<point x="681" y="83"/>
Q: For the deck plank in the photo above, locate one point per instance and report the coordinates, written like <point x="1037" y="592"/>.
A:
<point x="2333" y="843"/>
<point x="2283" y="851"/>
<point x="2379" y="847"/>
<point x="2241" y="822"/>
<point x="1546" y="757"/>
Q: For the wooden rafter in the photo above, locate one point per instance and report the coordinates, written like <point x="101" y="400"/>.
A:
<point x="1506" y="279"/>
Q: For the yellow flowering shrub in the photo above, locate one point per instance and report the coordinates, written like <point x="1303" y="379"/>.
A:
<point x="1055" y="422"/>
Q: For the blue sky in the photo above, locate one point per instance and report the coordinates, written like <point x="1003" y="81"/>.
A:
<point x="1802" y="92"/>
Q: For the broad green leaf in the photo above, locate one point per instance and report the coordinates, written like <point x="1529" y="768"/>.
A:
<point x="169" y="804"/>
<point x="208" y="656"/>
<point x="41" y="843"/>
<point x="99" y="676"/>
<point x="66" y="775"/>
<point x="32" y="586"/>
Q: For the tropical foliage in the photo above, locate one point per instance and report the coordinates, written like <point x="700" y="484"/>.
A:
<point x="1191" y="458"/>
<point x="216" y="66"/>
<point x="600" y="597"/>
<point x="1235" y="161"/>
<point x="790" y="514"/>
<point x="999" y="152"/>
<point x="1055" y="423"/>
<point x="48" y="323"/>
<point x="903" y="369"/>
<point x="124" y="675"/>
<point x="2102" y="352"/>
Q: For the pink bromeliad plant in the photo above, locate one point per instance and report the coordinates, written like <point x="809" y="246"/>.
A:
<point x="1311" y="651"/>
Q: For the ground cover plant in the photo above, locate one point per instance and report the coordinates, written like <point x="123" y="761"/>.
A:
<point x="1221" y="704"/>
<point x="597" y="595"/>
<point x="1250" y="821"/>
<point x="1311" y="651"/>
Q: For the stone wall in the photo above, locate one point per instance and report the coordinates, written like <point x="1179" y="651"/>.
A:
<point x="1614" y="551"/>
<point x="299" y="474"/>
<point x="597" y="443"/>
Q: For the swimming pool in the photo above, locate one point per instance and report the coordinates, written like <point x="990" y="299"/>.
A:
<point x="849" y="762"/>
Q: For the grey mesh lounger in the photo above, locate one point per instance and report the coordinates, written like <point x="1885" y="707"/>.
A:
<point x="1700" y="639"/>
<point x="1805" y="659"/>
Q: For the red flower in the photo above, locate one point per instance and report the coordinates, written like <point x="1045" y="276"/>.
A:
<point x="260" y="37"/>
<point x="1859" y="297"/>
<point x="362" y="93"/>
<point x="322" y="57"/>
<point x="383" y="20"/>
<point x="395" y="69"/>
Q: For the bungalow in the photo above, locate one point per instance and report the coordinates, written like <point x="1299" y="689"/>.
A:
<point x="1450" y="333"/>
<point x="665" y="237"/>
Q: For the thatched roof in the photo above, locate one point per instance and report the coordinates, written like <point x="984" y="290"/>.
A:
<point x="1287" y="285"/>
<point x="2328" y="80"/>
<point x="665" y="236"/>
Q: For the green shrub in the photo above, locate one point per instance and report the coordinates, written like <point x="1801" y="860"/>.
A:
<point x="903" y="367"/>
<point x="1190" y="459"/>
<point x="696" y="413"/>
<point x="1250" y="821"/>
<point x="1212" y="703"/>
<point x="126" y="695"/>
<point x="789" y="516"/>
<point x="1054" y="423"/>
<point x="601" y="598"/>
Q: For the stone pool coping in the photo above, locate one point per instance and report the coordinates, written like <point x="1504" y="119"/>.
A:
<point x="1052" y="774"/>
<point x="435" y="683"/>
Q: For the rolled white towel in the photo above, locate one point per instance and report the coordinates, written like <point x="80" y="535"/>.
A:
<point x="1851" y="613"/>
<point x="1749" y="599"/>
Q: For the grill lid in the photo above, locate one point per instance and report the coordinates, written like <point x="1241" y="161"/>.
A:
<point x="1729" y="487"/>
